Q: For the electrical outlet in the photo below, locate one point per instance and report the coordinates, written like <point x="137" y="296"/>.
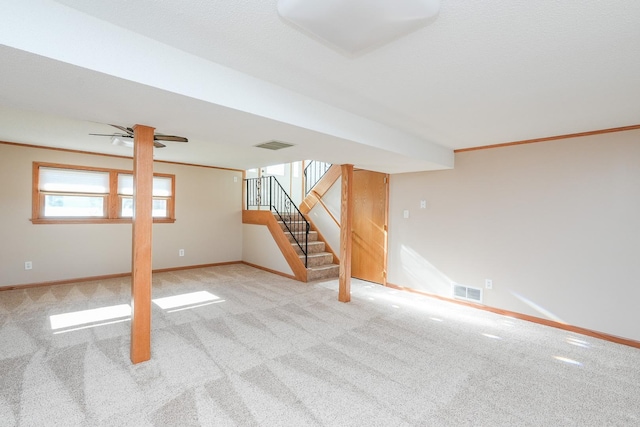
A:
<point x="423" y="204"/>
<point x="181" y="252"/>
<point x="28" y="265"/>
<point x="488" y="283"/>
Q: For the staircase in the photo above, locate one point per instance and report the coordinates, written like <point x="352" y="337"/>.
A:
<point x="302" y="247"/>
<point x="319" y="262"/>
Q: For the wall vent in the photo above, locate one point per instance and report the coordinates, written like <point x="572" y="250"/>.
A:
<point x="274" y="145"/>
<point x="467" y="293"/>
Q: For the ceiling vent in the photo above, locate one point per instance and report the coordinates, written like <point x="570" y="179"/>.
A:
<point x="467" y="293"/>
<point x="274" y="145"/>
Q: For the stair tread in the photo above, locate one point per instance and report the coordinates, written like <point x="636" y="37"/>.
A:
<point x="323" y="267"/>
<point x="317" y="254"/>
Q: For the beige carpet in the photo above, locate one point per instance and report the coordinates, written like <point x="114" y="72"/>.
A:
<point x="238" y="346"/>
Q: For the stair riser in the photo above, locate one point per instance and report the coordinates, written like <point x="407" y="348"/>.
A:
<point x="328" y="273"/>
<point x="313" y="248"/>
<point x="316" y="261"/>
<point x="296" y="227"/>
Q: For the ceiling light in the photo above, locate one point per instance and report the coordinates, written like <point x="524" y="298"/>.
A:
<point x="123" y="141"/>
<point x="357" y="26"/>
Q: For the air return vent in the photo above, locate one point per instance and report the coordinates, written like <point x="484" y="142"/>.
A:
<point x="274" y="145"/>
<point x="467" y="293"/>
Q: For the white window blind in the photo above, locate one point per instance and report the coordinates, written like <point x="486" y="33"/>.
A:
<point x="161" y="185"/>
<point x="73" y="181"/>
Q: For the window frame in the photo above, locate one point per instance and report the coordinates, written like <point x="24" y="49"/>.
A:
<point x="112" y="200"/>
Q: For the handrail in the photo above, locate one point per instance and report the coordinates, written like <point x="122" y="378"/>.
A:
<point x="313" y="173"/>
<point x="267" y="191"/>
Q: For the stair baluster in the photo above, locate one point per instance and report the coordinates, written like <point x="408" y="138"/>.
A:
<point x="267" y="192"/>
<point x="313" y="172"/>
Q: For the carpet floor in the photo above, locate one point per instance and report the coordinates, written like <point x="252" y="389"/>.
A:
<point x="236" y="346"/>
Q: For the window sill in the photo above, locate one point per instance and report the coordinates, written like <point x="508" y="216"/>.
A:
<point x="96" y="221"/>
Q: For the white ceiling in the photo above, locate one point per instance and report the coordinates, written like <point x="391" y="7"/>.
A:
<point x="229" y="75"/>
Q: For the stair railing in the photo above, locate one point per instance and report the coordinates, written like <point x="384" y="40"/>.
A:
<point x="313" y="173"/>
<point x="267" y="192"/>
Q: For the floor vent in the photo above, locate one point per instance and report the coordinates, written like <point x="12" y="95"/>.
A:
<point x="467" y="293"/>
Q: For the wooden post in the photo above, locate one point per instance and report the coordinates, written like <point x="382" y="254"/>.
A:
<point x="346" y="219"/>
<point x="141" y="254"/>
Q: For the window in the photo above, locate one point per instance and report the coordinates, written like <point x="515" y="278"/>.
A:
<point x="77" y="194"/>
<point x="275" y="170"/>
<point x="162" y="191"/>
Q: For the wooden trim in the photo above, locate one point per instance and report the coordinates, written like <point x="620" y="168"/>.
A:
<point x="320" y="189"/>
<point x="80" y="167"/>
<point x="279" y="273"/>
<point x="386" y="233"/>
<point x="36" y="202"/>
<point x="98" y="221"/>
<point x="63" y="282"/>
<point x="109" y="276"/>
<point x="141" y="269"/>
<point x="534" y="319"/>
<point x="290" y="255"/>
<point x="197" y="165"/>
<point x="551" y="138"/>
<point x="112" y="205"/>
<point x="346" y="238"/>
<point x="69" y="150"/>
<point x="171" y="201"/>
<point x="191" y="267"/>
<point x="113" y="201"/>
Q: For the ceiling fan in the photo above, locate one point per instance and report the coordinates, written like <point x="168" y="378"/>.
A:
<point x="126" y="138"/>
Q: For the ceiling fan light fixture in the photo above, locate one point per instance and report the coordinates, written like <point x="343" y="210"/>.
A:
<point x="357" y="26"/>
<point x="123" y="141"/>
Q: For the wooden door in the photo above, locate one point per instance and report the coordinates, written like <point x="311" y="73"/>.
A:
<point x="370" y="212"/>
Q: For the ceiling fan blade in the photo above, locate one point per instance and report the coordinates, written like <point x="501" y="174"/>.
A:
<point x="128" y="131"/>
<point x="172" y="138"/>
<point x="110" y="134"/>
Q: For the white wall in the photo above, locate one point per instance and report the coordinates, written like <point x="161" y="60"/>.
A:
<point x="208" y="223"/>
<point x="555" y="225"/>
<point x="259" y="248"/>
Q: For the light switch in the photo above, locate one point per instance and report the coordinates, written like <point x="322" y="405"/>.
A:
<point x="406" y="213"/>
<point x="423" y="204"/>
